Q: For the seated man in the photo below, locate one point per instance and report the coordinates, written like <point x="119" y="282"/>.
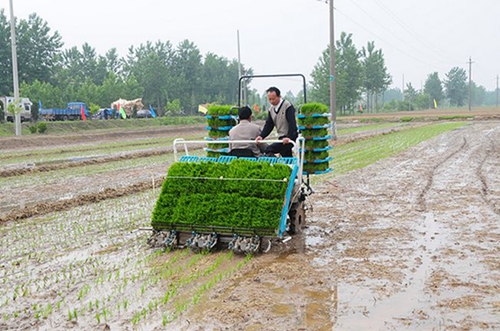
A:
<point x="245" y="130"/>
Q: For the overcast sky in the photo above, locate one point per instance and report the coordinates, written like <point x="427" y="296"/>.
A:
<point x="417" y="37"/>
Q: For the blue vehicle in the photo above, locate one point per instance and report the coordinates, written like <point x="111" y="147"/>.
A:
<point x="103" y="114"/>
<point x="73" y="111"/>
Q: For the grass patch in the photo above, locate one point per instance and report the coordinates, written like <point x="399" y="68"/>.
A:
<point x="406" y="119"/>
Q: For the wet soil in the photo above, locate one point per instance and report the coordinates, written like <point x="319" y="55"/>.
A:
<point x="408" y="243"/>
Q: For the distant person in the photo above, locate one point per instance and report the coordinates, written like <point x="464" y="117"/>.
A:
<point x="281" y="115"/>
<point x="245" y="130"/>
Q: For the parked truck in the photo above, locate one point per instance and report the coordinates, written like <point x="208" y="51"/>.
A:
<point x="24" y="103"/>
<point x="73" y="111"/>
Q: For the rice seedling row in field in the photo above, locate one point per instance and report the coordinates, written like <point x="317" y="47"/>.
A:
<point x="68" y="175"/>
<point x="96" y="150"/>
<point x="92" y="268"/>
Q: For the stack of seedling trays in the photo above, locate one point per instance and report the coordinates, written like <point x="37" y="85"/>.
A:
<point x="314" y="123"/>
<point x="220" y="119"/>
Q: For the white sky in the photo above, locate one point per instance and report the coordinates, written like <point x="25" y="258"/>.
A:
<point x="417" y="37"/>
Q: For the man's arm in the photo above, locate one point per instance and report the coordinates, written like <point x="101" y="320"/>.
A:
<point x="268" y="127"/>
<point x="292" y="123"/>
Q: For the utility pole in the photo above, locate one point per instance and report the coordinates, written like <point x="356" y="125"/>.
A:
<point x="333" y="101"/>
<point x="243" y="85"/>
<point x="403" y="89"/>
<point x="15" y="78"/>
<point x="470" y="82"/>
<point x="497" y="91"/>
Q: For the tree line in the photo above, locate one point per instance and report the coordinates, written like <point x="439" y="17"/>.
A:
<point x="158" y="72"/>
<point x="362" y="78"/>
<point x="179" y="76"/>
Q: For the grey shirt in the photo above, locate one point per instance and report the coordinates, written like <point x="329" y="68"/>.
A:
<point x="245" y="131"/>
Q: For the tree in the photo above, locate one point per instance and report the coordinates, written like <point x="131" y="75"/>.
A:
<point x="478" y="94"/>
<point x="410" y="95"/>
<point x="392" y="94"/>
<point x="151" y="66"/>
<point x="320" y="84"/>
<point x="456" y="86"/>
<point x="348" y="75"/>
<point x="37" y="48"/>
<point x="112" y="61"/>
<point x="5" y="56"/>
<point x="433" y="88"/>
<point x="173" y="107"/>
<point x="187" y="68"/>
<point x="375" y="76"/>
<point x="219" y="81"/>
<point x="422" y="101"/>
<point x="76" y="67"/>
<point x="49" y="95"/>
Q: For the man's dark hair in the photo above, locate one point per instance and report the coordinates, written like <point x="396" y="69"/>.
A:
<point x="274" y="89"/>
<point x="244" y="113"/>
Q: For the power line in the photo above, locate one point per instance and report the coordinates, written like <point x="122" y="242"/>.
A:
<point x="393" y="46"/>
<point x="410" y="31"/>
<point x="395" y="35"/>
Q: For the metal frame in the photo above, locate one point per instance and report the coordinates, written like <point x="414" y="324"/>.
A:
<point x="298" y="147"/>
<point x="271" y="76"/>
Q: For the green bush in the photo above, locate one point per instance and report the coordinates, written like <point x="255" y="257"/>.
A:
<point x="42" y="127"/>
<point x="406" y="119"/>
<point x="32" y="128"/>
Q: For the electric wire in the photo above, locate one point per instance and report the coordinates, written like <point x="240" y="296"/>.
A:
<point x="390" y="44"/>
<point x="410" y="31"/>
<point x="399" y="38"/>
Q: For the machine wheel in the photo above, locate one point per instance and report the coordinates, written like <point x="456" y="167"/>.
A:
<point x="297" y="216"/>
<point x="65" y="118"/>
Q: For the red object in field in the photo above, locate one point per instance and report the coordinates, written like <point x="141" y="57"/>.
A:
<point x="83" y="113"/>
